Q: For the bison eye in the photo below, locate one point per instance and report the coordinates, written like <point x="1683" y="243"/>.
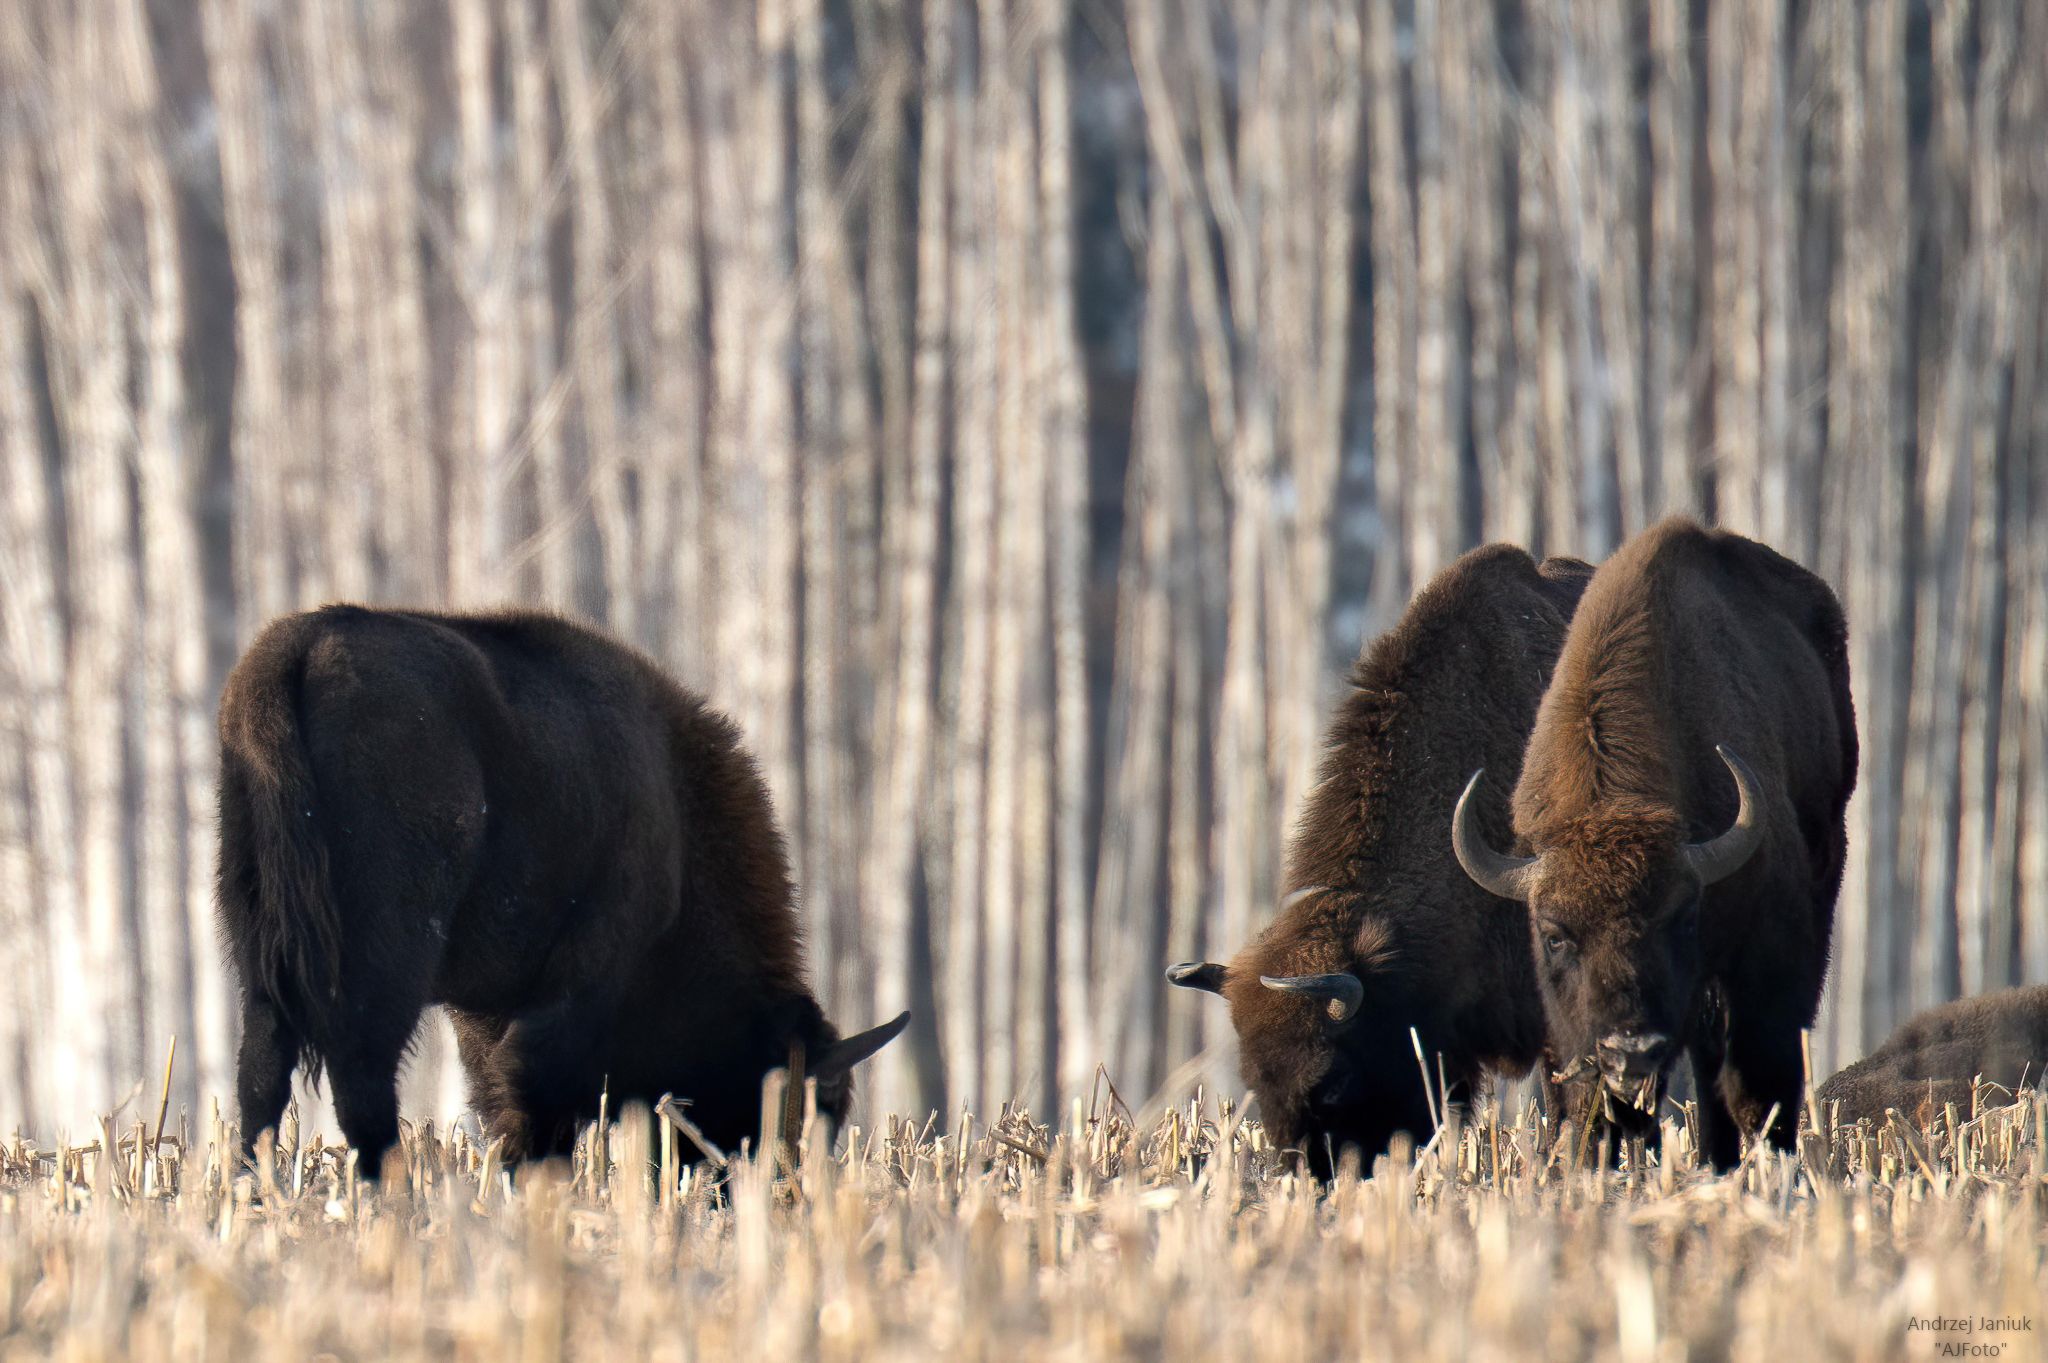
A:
<point x="1556" y="941"/>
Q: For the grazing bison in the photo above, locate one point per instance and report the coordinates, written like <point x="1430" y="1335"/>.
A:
<point x="530" y="823"/>
<point x="1672" y="907"/>
<point x="1935" y="1057"/>
<point x="1382" y="932"/>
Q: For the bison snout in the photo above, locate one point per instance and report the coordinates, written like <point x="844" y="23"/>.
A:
<point x="1632" y="1056"/>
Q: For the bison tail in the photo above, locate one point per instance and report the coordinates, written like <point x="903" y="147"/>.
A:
<point x="277" y="903"/>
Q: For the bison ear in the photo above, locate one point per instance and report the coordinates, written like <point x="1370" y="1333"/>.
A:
<point x="1198" y="975"/>
<point x="843" y="1055"/>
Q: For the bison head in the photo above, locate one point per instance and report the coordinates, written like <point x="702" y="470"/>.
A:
<point x="798" y="1033"/>
<point x="1614" y="910"/>
<point x="1327" y="1052"/>
<point x="832" y="1066"/>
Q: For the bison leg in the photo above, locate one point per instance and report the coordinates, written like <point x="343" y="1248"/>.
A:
<point x="1763" y="1070"/>
<point x="263" y="1067"/>
<point x="549" y="1063"/>
<point x="1720" y="1138"/>
<point x="479" y="1040"/>
<point x="362" y="1074"/>
<point x="366" y="1103"/>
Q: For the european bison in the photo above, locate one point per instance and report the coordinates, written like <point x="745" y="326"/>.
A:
<point x="1381" y="931"/>
<point x="530" y="823"/>
<point x="1935" y="1057"/>
<point x="1673" y="907"/>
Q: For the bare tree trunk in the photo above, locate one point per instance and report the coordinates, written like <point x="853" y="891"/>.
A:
<point x="1067" y="452"/>
<point x="554" y="520"/>
<point x="1735" y="266"/>
<point x="264" y="581"/>
<point x="21" y="937"/>
<point x="184" y="985"/>
<point x="911" y="526"/>
<point x="481" y="434"/>
<point x="411" y="507"/>
<point x="1979" y="898"/>
<point x="340" y="395"/>
<point x="1436" y="491"/>
<point x="1489" y="284"/>
<point x="1137" y="795"/>
<point x="1668" y="382"/>
<point x="85" y="335"/>
<point x="593" y="330"/>
<point x="1405" y="520"/>
<point x="751" y="451"/>
<point x="840" y="482"/>
<point x="53" y="982"/>
<point x="2029" y="560"/>
<point x="676" y="311"/>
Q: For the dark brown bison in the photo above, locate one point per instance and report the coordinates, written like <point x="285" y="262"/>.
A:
<point x="1672" y="906"/>
<point x="530" y="823"/>
<point x="1935" y="1057"/>
<point x="1381" y="931"/>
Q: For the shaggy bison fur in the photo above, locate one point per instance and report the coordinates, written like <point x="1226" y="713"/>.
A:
<point x="1381" y="932"/>
<point x="529" y="823"/>
<point x="1935" y="1058"/>
<point x="1672" y="907"/>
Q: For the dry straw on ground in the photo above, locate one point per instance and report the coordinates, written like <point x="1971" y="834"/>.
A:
<point x="1155" y="1235"/>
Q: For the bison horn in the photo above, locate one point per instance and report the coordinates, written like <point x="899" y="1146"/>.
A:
<point x="1342" y="989"/>
<point x="1508" y="877"/>
<point x="844" y="1054"/>
<point x="1724" y="856"/>
<point x="1198" y="975"/>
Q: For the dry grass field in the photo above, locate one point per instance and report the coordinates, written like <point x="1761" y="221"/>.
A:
<point x="1165" y="1234"/>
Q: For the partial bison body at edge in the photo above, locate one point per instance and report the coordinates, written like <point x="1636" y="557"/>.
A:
<point x="1683" y="794"/>
<point x="1382" y="932"/>
<point x="530" y="823"/>
<point x="1936" y="1057"/>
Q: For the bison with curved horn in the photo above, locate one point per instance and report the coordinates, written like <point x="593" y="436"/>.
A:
<point x="529" y="823"/>
<point x="1682" y="800"/>
<point x="1381" y="932"/>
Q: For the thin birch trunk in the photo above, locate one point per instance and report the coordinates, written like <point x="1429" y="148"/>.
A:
<point x="1405" y="520"/>
<point x="1668" y="380"/>
<point x="1137" y="794"/>
<point x="1984" y="604"/>
<point x="341" y="455"/>
<point x="912" y="529"/>
<point x="1436" y="490"/>
<point x="184" y="984"/>
<point x="593" y="332"/>
<point x="264" y="586"/>
<point x="89" y="370"/>
<point x="34" y="623"/>
<point x="411" y="504"/>
<point x="483" y="426"/>
<point x="676" y="310"/>
<point x="1067" y="451"/>
<point x="555" y="516"/>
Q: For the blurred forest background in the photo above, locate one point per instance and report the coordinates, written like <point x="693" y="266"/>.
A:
<point x="1016" y="413"/>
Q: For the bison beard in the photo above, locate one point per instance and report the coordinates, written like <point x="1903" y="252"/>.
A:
<point x="1672" y="907"/>
<point x="1383" y="933"/>
<point x="525" y="821"/>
